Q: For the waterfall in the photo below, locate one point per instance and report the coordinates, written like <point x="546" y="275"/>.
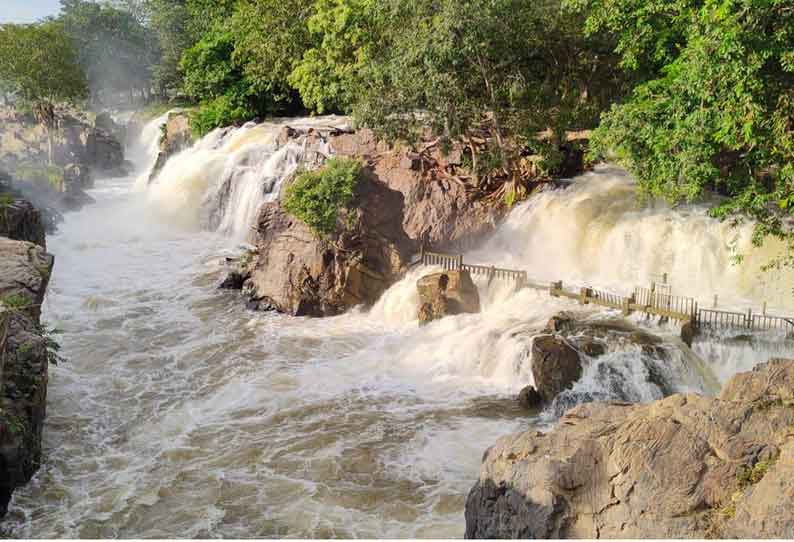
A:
<point x="221" y="181"/>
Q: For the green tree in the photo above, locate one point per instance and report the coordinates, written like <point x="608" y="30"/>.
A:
<point x="271" y="38"/>
<point x="345" y="31"/>
<point x="169" y="21"/>
<point x="113" y="46"/>
<point x="716" y="112"/>
<point x="40" y="66"/>
<point x="510" y="67"/>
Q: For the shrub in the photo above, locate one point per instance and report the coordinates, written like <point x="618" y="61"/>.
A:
<point x="316" y="196"/>
<point x="51" y="175"/>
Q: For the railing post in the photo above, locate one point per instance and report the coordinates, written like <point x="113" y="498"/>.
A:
<point x="460" y="262"/>
<point x="627" y="303"/>
<point x="554" y="288"/>
<point x="422" y="254"/>
<point x="750" y="318"/>
<point x="584" y="296"/>
<point x="491" y="274"/>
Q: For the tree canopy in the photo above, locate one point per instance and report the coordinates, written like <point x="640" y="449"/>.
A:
<point x="694" y="97"/>
<point x="39" y="63"/>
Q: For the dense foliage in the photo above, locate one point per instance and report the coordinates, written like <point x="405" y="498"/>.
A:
<point x="715" y="112"/>
<point x="317" y="196"/>
<point x="694" y="97"/>
<point x="39" y="64"/>
<point x="113" y="46"/>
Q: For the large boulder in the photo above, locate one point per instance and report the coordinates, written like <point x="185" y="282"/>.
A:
<point x="24" y="358"/>
<point x="177" y="136"/>
<point x="687" y="466"/>
<point x="438" y="209"/>
<point x="298" y="272"/>
<point x="446" y="294"/>
<point x="405" y="200"/>
<point x="555" y="366"/>
<point x="20" y="220"/>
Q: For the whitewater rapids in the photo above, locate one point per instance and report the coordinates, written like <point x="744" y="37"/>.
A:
<point x="180" y="414"/>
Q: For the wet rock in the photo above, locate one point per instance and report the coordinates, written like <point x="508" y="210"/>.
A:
<point x="176" y="137"/>
<point x="304" y="274"/>
<point x="234" y="281"/>
<point x="555" y="365"/>
<point x="20" y="220"/>
<point x="683" y="467"/>
<point x="529" y="397"/>
<point x="561" y="322"/>
<point x="24" y="274"/>
<point x="446" y="294"/>
<point x="592" y="347"/>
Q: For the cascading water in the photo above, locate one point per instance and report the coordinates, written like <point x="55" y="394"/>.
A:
<point x="179" y="413"/>
<point x="221" y="182"/>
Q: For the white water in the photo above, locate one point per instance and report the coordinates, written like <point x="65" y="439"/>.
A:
<point x="226" y="176"/>
<point x="180" y="414"/>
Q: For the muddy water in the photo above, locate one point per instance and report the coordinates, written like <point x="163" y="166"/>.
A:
<point x="179" y="414"/>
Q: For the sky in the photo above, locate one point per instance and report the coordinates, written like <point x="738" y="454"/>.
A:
<point x="27" y="11"/>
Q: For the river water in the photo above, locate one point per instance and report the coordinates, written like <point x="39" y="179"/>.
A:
<point x="180" y="414"/>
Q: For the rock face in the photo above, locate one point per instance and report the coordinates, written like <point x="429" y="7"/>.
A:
<point x="687" y="466"/>
<point x="555" y="366"/>
<point x="176" y="137"/>
<point x="20" y="220"/>
<point x="400" y="204"/>
<point x="299" y="273"/>
<point x="24" y="357"/>
<point x="52" y="167"/>
<point x="446" y="294"/>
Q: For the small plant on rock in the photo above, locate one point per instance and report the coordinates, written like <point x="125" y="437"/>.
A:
<point x="316" y="196"/>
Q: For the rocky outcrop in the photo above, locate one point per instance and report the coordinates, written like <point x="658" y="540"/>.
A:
<point x="446" y="294"/>
<point x="401" y="204"/>
<point x="76" y="139"/>
<point x="53" y="166"/>
<point x="300" y="273"/>
<point x="24" y="358"/>
<point x="555" y="366"/>
<point x="176" y="137"/>
<point x="20" y="220"/>
<point x="439" y="211"/>
<point x="687" y="466"/>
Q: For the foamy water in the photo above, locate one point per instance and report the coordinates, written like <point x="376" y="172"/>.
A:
<point x="181" y="414"/>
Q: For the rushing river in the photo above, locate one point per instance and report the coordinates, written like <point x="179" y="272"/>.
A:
<point x="180" y="414"/>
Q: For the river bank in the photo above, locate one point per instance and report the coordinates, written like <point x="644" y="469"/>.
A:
<point x="182" y="413"/>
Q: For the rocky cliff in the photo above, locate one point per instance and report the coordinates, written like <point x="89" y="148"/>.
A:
<point x="54" y="166"/>
<point x="402" y="202"/>
<point x="176" y="136"/>
<point x="687" y="466"/>
<point x="25" y="350"/>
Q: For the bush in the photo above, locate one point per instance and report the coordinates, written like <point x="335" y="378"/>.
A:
<point x="222" y="111"/>
<point x="316" y="196"/>
<point x="51" y="175"/>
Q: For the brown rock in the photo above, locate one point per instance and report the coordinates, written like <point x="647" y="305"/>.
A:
<point x="446" y="294"/>
<point x="529" y="397"/>
<point x="668" y="469"/>
<point x="177" y="136"/>
<point x="24" y="273"/>
<point x="21" y="221"/>
<point x="300" y="273"/>
<point x="555" y="365"/>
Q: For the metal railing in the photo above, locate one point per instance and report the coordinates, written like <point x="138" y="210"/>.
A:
<point x="656" y="300"/>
